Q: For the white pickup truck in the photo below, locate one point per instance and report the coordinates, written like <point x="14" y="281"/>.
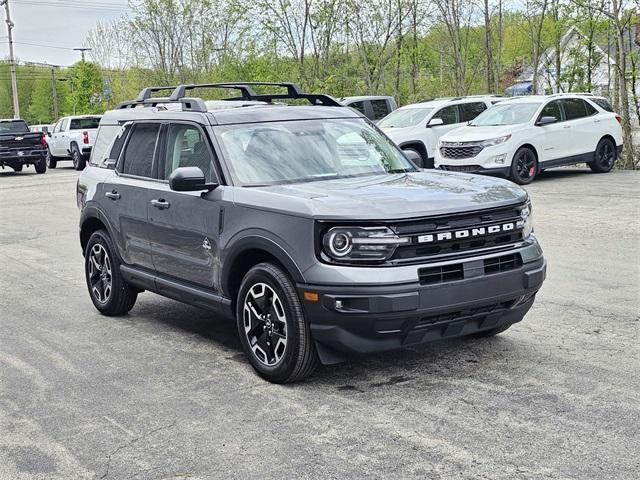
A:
<point x="72" y="139"/>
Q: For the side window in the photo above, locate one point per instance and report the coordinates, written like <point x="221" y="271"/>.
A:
<point x="380" y="109"/>
<point x="63" y="124"/>
<point x="140" y="150"/>
<point x="603" y="103"/>
<point x="109" y="142"/>
<point x="471" y="110"/>
<point x="552" y="109"/>
<point x="448" y="114"/>
<point x="358" y="106"/>
<point x="186" y="147"/>
<point x="574" y="108"/>
<point x="56" y="129"/>
<point x="590" y="109"/>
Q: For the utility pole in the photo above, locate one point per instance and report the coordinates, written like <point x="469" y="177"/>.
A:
<point x="54" y="91"/>
<point x="12" y="60"/>
<point x="82" y="50"/>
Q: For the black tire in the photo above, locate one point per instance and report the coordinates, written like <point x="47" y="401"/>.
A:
<point x="298" y="359"/>
<point x="524" y="166"/>
<point x="605" y="156"/>
<point x="17" y="168"/>
<point x="493" y="332"/>
<point x="51" y="160"/>
<point x="121" y="297"/>
<point x="41" y="166"/>
<point x="76" y="157"/>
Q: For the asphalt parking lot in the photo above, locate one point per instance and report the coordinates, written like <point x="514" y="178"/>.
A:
<point x="166" y="393"/>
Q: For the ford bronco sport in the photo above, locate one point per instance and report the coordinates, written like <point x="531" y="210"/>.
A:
<point x="304" y="222"/>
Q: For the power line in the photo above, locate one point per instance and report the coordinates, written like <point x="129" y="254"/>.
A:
<point x="85" y="5"/>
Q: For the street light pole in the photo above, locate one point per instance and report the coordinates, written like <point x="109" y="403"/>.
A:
<point x="82" y="50"/>
<point x="12" y="60"/>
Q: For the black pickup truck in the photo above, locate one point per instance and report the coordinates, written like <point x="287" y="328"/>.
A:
<point x="20" y="147"/>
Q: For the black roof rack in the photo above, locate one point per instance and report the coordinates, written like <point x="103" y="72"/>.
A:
<point x="193" y="104"/>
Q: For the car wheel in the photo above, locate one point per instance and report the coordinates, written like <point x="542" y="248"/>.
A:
<point x="17" y="168"/>
<point x="605" y="156"/>
<point x="493" y="332"/>
<point x="41" y="166"/>
<point x="524" y="166"/>
<point x="51" y="160"/>
<point x="110" y="294"/>
<point x="78" y="160"/>
<point x="274" y="332"/>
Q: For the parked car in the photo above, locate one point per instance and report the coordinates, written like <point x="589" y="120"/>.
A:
<point x="521" y="137"/>
<point x="19" y="147"/>
<point x="418" y="127"/>
<point x="305" y="223"/>
<point x="72" y="139"/>
<point x="373" y="107"/>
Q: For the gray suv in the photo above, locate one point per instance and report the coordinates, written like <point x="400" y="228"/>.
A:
<point x="303" y="222"/>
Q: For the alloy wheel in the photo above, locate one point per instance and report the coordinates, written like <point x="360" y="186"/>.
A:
<point x="265" y="324"/>
<point x="525" y="165"/>
<point x="605" y="156"/>
<point x="100" y="276"/>
<point x="75" y="159"/>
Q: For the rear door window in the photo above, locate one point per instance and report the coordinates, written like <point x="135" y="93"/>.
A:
<point x="140" y="150"/>
<point x="380" y="109"/>
<point x="359" y="106"/>
<point x="471" y="110"/>
<point x="574" y="108"/>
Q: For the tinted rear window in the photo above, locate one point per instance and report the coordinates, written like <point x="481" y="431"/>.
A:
<point x="471" y="110"/>
<point x="574" y="108"/>
<point x="380" y="109"/>
<point x="138" y="156"/>
<point x="603" y="103"/>
<point x="19" y="126"/>
<point x="84" y="123"/>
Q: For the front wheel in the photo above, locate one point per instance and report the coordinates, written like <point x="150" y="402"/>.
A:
<point x="604" y="158"/>
<point x="110" y="294"/>
<point x="524" y="166"/>
<point x="274" y="332"/>
<point x="51" y="160"/>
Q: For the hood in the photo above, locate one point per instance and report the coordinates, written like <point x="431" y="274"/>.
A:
<point x="386" y="197"/>
<point x="475" y="134"/>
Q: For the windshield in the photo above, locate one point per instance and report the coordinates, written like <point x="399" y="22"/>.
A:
<point x="19" y="126"/>
<point x="84" y="123"/>
<point x="274" y="153"/>
<point x="506" y="114"/>
<point x="407" y="117"/>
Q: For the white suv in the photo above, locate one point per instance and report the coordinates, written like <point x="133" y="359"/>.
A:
<point x="416" y="128"/>
<point x="521" y="137"/>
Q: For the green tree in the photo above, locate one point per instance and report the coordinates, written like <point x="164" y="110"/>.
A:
<point x="86" y="86"/>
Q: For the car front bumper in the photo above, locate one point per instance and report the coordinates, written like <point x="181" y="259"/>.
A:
<point x="367" y="319"/>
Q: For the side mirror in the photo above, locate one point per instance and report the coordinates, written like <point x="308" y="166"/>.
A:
<point x="189" y="179"/>
<point x="413" y="156"/>
<point x="434" y="122"/>
<point x="546" y="121"/>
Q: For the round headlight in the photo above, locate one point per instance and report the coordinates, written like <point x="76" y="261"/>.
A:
<point x="340" y="244"/>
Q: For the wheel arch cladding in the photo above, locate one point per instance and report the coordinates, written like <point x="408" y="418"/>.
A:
<point x="416" y="145"/>
<point x="248" y="253"/>
<point x="607" y="137"/>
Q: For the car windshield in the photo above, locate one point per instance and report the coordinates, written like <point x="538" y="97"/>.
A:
<point x="260" y="154"/>
<point x="405" y="117"/>
<point x="506" y="114"/>
<point x="19" y="126"/>
<point x="84" y="123"/>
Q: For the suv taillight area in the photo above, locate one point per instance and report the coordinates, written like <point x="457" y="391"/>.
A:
<point x="85" y="138"/>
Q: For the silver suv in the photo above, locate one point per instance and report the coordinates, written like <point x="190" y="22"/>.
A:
<point x="304" y="223"/>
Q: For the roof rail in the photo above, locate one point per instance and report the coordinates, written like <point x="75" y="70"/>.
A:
<point x="146" y="93"/>
<point x="294" y="92"/>
<point x="559" y="94"/>
<point x="188" y="104"/>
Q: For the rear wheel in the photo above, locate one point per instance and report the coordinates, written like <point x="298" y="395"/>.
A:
<point x="274" y="332"/>
<point x="524" y="166"/>
<point x="76" y="157"/>
<point x="17" y="168"/>
<point x="110" y="294"/>
<point x="604" y="157"/>
<point x="41" y="166"/>
<point x="51" y="160"/>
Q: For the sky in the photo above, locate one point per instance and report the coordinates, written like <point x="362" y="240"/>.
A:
<point x="47" y="30"/>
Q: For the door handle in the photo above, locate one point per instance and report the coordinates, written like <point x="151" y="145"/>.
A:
<point x="567" y="126"/>
<point x="160" y="204"/>
<point x="113" y="195"/>
<point x="596" y="121"/>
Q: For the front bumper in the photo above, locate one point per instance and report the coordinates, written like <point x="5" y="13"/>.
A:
<point x="366" y="319"/>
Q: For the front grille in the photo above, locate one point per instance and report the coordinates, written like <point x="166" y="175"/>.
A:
<point x="441" y="274"/>
<point x="502" y="264"/>
<point x="456" y="247"/>
<point x="461" y="168"/>
<point x="467" y="151"/>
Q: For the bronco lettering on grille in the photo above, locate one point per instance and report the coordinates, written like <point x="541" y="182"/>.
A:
<point x="467" y="233"/>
